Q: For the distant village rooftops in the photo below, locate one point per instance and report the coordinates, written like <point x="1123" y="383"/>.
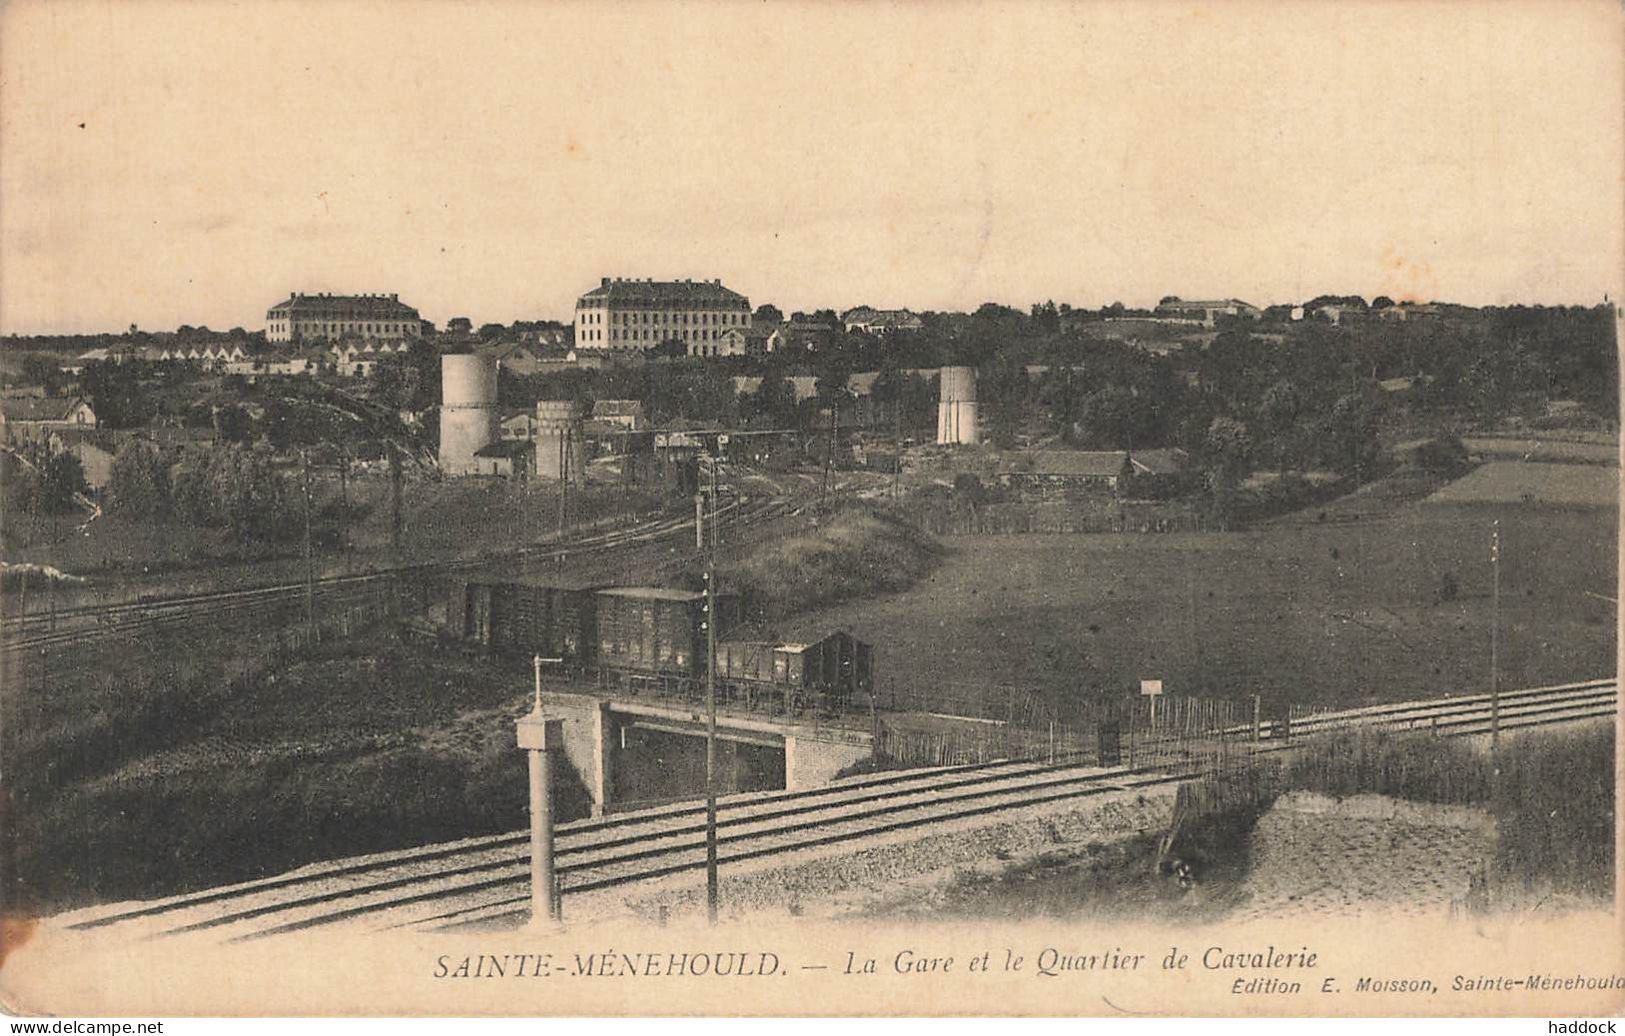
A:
<point x="880" y="321"/>
<point x="1206" y="311"/>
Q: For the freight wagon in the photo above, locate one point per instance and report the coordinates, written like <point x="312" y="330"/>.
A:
<point x="650" y="629"/>
<point x="654" y="629"/>
<point x="837" y="669"/>
<point x="556" y="621"/>
<point x="659" y="633"/>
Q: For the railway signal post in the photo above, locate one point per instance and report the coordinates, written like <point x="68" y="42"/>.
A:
<point x="540" y="737"/>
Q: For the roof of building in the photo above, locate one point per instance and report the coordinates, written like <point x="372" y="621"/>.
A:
<point x="1160" y="462"/>
<point x="28" y="408"/>
<point x="653" y="593"/>
<point x="884" y="317"/>
<point x="506" y="448"/>
<point x="621" y="292"/>
<point x="349" y="307"/>
<point x="617" y="408"/>
<point x="99" y="438"/>
<point x="1205" y="304"/>
<point x="1093" y="463"/>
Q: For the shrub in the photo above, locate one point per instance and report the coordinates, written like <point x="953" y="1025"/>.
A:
<point x="1449" y="588"/>
<point x="139" y="485"/>
<point x="1443" y="455"/>
<point x="237" y="490"/>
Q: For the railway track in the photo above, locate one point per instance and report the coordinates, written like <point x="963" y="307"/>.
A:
<point x="76" y="626"/>
<point x="485" y="880"/>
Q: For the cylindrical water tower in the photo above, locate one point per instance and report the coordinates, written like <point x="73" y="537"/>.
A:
<point x="558" y="439"/>
<point x="468" y="409"/>
<point x="956" y="413"/>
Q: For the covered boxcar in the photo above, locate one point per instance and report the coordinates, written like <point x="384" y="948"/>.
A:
<point x="656" y="629"/>
<point x="530" y="618"/>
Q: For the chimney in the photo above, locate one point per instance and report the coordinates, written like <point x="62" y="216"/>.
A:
<point x="604" y="283"/>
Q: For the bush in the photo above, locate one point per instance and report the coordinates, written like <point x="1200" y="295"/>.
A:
<point x="139" y="484"/>
<point x="1449" y="588"/>
<point x="969" y="486"/>
<point x="1444" y="455"/>
<point x="61" y="481"/>
<point x="860" y="550"/>
<point x="237" y="490"/>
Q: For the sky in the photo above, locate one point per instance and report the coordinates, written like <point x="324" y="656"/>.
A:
<point x="165" y="163"/>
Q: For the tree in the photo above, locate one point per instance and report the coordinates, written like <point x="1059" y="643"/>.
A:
<point x="388" y="384"/>
<point x="1351" y="435"/>
<point x="775" y="398"/>
<point x="236" y="489"/>
<point x="233" y="424"/>
<point x="62" y="480"/>
<point x="1279" y="411"/>
<point x="424" y="358"/>
<point x="834" y="375"/>
<point x="1229" y="449"/>
<point x="116" y="394"/>
<point x="673" y="348"/>
<point x="767" y="313"/>
<point x="138" y="486"/>
<point x="1046" y="318"/>
<point x="1003" y="391"/>
<point x="43" y="370"/>
<point x="1106" y="418"/>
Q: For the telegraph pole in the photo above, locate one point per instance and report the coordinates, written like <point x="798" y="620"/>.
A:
<point x="394" y="498"/>
<point x="1495" y="634"/>
<point x="897" y="458"/>
<point x="310" y="562"/>
<point x="711" y="711"/>
<point x="829" y="450"/>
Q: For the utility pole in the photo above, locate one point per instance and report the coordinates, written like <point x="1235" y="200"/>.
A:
<point x="829" y="450"/>
<point x="310" y="561"/>
<point x="344" y="501"/>
<point x="395" y="499"/>
<point x="1495" y="634"/>
<point x="897" y="457"/>
<point x="711" y="712"/>
<point x="560" y="460"/>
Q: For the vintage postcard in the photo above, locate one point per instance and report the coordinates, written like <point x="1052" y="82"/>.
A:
<point x="810" y="509"/>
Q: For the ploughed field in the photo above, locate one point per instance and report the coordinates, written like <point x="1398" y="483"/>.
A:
<point x="1393" y="607"/>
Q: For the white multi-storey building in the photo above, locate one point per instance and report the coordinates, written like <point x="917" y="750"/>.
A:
<point x="623" y="314"/>
<point x="331" y="317"/>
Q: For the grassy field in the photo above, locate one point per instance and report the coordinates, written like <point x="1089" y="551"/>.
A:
<point x="226" y="767"/>
<point x="1555" y="447"/>
<point x="1387" y="608"/>
<point x="1501" y="482"/>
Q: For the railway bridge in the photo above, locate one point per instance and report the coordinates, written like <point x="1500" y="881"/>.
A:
<point x="602" y="736"/>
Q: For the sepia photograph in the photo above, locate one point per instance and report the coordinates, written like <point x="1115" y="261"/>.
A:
<point x="870" y="509"/>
